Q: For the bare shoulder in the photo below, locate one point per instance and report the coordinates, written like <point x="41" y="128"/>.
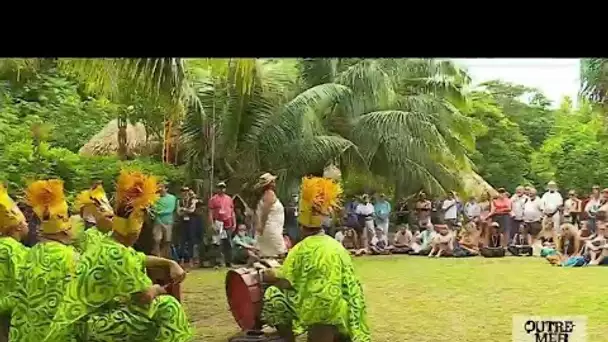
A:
<point x="269" y="196"/>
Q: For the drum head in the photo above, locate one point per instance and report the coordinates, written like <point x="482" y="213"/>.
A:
<point x="244" y="295"/>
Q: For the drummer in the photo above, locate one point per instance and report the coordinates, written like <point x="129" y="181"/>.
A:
<point x="316" y="288"/>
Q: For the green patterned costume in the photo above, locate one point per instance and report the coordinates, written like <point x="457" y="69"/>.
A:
<point x="89" y="237"/>
<point x="325" y="290"/>
<point x="98" y="304"/>
<point x="12" y="257"/>
<point x="46" y="271"/>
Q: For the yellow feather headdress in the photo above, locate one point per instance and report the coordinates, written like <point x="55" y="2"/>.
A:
<point x="10" y="214"/>
<point x="95" y="199"/>
<point x="318" y="198"/>
<point x="135" y="192"/>
<point x="47" y="199"/>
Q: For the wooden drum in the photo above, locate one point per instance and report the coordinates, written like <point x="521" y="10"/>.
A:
<point x="162" y="276"/>
<point x="245" y="296"/>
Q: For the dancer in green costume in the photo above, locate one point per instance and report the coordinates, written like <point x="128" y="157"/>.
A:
<point x="94" y="202"/>
<point x="13" y="228"/>
<point x="47" y="268"/>
<point x="111" y="297"/>
<point x="316" y="287"/>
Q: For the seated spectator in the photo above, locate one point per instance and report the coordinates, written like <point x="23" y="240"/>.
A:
<point x="340" y="234"/>
<point x="403" y="240"/>
<point x="378" y="244"/>
<point x="442" y="243"/>
<point x="597" y="250"/>
<point x="494" y="248"/>
<point x="521" y="244"/>
<point x="351" y="242"/>
<point x="569" y="241"/>
<point x="468" y="244"/>
<point x="245" y="251"/>
<point x="548" y="239"/>
<point x="425" y="237"/>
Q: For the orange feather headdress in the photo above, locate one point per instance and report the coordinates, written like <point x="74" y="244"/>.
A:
<point x="10" y="214"/>
<point x="135" y="192"/>
<point x="318" y="198"/>
<point x="47" y="199"/>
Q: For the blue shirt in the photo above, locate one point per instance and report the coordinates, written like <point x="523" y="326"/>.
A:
<point x="382" y="210"/>
<point x="165" y="207"/>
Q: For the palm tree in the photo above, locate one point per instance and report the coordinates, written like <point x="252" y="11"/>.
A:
<point x="397" y="118"/>
<point x="594" y="79"/>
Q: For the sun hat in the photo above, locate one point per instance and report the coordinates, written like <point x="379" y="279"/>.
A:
<point x="265" y="179"/>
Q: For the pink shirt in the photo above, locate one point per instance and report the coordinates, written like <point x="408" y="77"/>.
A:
<point x="222" y="209"/>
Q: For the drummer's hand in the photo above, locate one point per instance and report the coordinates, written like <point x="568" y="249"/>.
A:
<point x="148" y="296"/>
<point x="177" y="273"/>
<point x="269" y="276"/>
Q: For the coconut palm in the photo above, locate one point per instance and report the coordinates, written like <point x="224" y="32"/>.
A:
<point x="594" y="79"/>
<point x="397" y="118"/>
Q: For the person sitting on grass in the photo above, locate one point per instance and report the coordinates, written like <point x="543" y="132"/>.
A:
<point x="443" y="242"/>
<point x="468" y="244"/>
<point x="590" y="254"/>
<point x="378" y="244"/>
<point x="339" y="236"/>
<point x="245" y="251"/>
<point x="351" y="242"/>
<point x="403" y="240"/>
<point x="547" y="238"/>
<point x="521" y="244"/>
<point x="425" y="238"/>
<point x="494" y="247"/>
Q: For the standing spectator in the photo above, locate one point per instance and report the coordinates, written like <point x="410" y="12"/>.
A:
<point x="472" y="210"/>
<point x="186" y="211"/>
<point x="291" y="219"/>
<point x="423" y="210"/>
<point x="572" y="208"/>
<point x="270" y="219"/>
<point x="517" y="206"/>
<point x="222" y="216"/>
<point x="552" y="203"/>
<point x="403" y="212"/>
<point x="500" y="212"/>
<point x="365" y="212"/>
<point x="162" y="232"/>
<point x="352" y="221"/>
<point x="533" y="214"/>
<point x="592" y="207"/>
<point x="450" y="210"/>
<point x="382" y="210"/>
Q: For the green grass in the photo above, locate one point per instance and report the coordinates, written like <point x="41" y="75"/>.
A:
<point x="420" y="299"/>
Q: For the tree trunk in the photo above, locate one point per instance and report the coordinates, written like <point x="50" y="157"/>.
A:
<point x="122" y="136"/>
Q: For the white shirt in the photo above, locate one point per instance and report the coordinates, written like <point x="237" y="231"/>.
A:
<point x="364" y="209"/>
<point x="339" y="237"/>
<point x="551" y="201"/>
<point x="472" y="209"/>
<point x="570" y="206"/>
<point x="517" y="206"/>
<point x="452" y="212"/>
<point x="532" y="210"/>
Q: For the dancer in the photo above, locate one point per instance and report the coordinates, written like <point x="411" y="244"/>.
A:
<point x="316" y="289"/>
<point x="93" y="203"/>
<point x="13" y="229"/>
<point x="112" y="297"/>
<point x="47" y="268"/>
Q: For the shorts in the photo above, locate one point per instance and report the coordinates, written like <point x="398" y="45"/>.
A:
<point x="162" y="232"/>
<point x="533" y="228"/>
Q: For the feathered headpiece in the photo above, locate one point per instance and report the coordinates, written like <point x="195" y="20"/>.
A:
<point x="93" y="199"/>
<point x="318" y="198"/>
<point x="135" y="192"/>
<point x="47" y="199"/>
<point x="10" y="214"/>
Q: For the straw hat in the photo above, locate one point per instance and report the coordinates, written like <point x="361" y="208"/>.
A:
<point x="264" y="180"/>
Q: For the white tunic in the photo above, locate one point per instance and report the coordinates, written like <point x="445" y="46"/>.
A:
<point x="271" y="242"/>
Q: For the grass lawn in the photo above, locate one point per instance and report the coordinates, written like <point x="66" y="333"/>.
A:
<point x="477" y="298"/>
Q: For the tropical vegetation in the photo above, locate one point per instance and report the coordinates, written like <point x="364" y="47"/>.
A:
<point x="391" y="125"/>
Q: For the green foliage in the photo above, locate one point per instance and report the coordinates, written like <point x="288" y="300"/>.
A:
<point x="21" y="166"/>
<point x="55" y="101"/>
<point x="576" y="153"/>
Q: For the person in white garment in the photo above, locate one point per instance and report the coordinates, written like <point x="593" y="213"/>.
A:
<point x="533" y="214"/>
<point x="450" y="210"/>
<point x="472" y="210"/>
<point x="270" y="219"/>
<point x="518" y="200"/>
<point x="552" y="203"/>
<point x="365" y="211"/>
<point x="592" y="207"/>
